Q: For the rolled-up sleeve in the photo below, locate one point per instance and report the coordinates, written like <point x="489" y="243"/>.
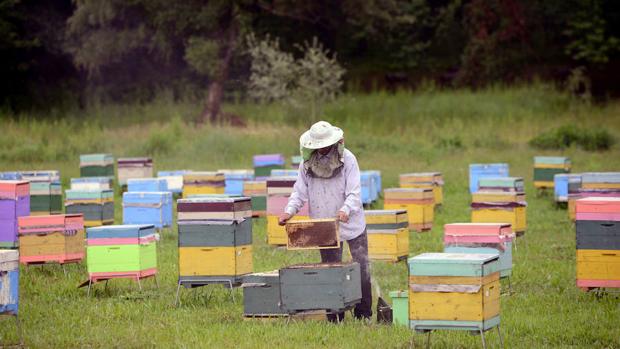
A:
<point x="300" y="193"/>
<point x="353" y="201"/>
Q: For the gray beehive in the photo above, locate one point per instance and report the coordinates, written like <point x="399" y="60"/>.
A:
<point x="216" y="233"/>
<point x="261" y="294"/>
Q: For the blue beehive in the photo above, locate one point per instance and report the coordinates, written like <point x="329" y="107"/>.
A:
<point x="284" y="173"/>
<point x="369" y="190"/>
<point x="9" y="281"/>
<point x="377" y="177"/>
<point x="10" y="176"/>
<point x="477" y="171"/>
<point x="147" y="185"/>
<point x="234" y="179"/>
<point x="148" y="208"/>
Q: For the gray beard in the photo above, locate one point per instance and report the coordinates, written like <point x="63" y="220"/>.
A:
<point x="324" y="166"/>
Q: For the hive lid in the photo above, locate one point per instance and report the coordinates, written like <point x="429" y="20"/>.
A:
<point x="9" y="256"/>
<point x="450" y="258"/>
<point x="383" y="212"/>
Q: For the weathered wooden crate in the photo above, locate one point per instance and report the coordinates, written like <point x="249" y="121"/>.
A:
<point x="330" y="286"/>
<point x="56" y="238"/>
<point x="138" y="167"/>
<point x="261" y="294"/>
<point x="312" y="234"/>
<point x="454" y="290"/>
<point x="9" y="282"/>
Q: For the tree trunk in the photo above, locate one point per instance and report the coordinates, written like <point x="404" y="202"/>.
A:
<point x="216" y="88"/>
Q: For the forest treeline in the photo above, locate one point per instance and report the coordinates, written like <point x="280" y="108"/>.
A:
<point x="62" y="52"/>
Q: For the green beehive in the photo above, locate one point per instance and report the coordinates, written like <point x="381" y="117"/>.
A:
<point x="400" y="307"/>
<point x="121" y="258"/>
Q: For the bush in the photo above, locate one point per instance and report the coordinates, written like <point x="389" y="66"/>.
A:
<point x="565" y="136"/>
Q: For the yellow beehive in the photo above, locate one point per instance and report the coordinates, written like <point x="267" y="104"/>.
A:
<point x="388" y="245"/>
<point x="201" y="183"/>
<point x="598" y="265"/>
<point x="432" y="180"/>
<point x="516" y="216"/>
<point x="215" y="261"/>
<point x="419" y="203"/>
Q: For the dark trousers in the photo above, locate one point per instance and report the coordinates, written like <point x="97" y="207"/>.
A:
<point x="359" y="253"/>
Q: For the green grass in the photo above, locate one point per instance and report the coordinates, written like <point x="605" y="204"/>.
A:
<point x="431" y="130"/>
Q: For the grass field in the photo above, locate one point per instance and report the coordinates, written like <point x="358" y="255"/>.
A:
<point x="431" y="130"/>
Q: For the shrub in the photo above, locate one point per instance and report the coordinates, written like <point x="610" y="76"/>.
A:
<point x="565" y="136"/>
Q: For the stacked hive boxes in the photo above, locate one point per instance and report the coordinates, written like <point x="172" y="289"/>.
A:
<point x="432" y="180"/>
<point x="500" y="200"/>
<point x="97" y="165"/>
<point x="140" y="167"/>
<point x="234" y="180"/>
<point x="200" y="183"/>
<point x="477" y="171"/>
<point x="263" y="164"/>
<point x="57" y="238"/>
<point x="545" y="167"/>
<point x="148" y="208"/>
<point x="96" y="205"/>
<point x="595" y="184"/>
<point x="296" y="160"/>
<point x="45" y="193"/>
<point x="418" y="202"/>
<point x="331" y="286"/>
<point x="574" y="188"/>
<point x="388" y="234"/>
<point x="174" y="180"/>
<point x="146" y="185"/>
<point x="481" y="238"/>
<point x="454" y="291"/>
<point x="14" y="203"/>
<point x="563" y="183"/>
<point x="121" y="251"/>
<point x="9" y="282"/>
<point x="598" y="242"/>
<point x="91" y="183"/>
<point x="215" y="239"/>
<point x="257" y="192"/>
<point x="278" y="191"/>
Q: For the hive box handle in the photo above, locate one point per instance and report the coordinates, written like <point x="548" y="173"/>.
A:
<point x="310" y="273"/>
<point x="608" y="254"/>
<point x="607" y="224"/>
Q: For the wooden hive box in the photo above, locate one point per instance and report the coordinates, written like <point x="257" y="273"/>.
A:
<point x="9" y="282"/>
<point x="91" y="183"/>
<point x="215" y="233"/>
<point x="546" y="167"/>
<point x="261" y="294"/>
<point x="138" y="167"/>
<point x="600" y="180"/>
<point x="218" y="208"/>
<point x="598" y="242"/>
<point x="433" y="180"/>
<point x="312" y="234"/>
<point x="257" y="191"/>
<point x="215" y="261"/>
<point x="388" y="234"/>
<point x="477" y="171"/>
<point x="454" y="291"/>
<point x="96" y="165"/>
<point x="14" y="203"/>
<point x="121" y="250"/>
<point x="481" y="238"/>
<point x="234" y="179"/>
<point x="96" y="206"/>
<point x="502" y="184"/>
<point x="196" y="183"/>
<point x="419" y="203"/>
<point x="56" y="238"/>
<point x="263" y="164"/>
<point x="329" y="286"/>
<point x="490" y="206"/>
<point x="174" y="179"/>
<point x="143" y="185"/>
<point x="148" y="208"/>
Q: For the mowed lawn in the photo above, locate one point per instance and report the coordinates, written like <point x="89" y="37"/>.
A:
<point x="428" y="131"/>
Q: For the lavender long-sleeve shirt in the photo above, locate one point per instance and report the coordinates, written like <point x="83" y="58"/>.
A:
<point x="327" y="196"/>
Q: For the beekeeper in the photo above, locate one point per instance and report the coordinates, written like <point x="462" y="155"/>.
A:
<point x="329" y="181"/>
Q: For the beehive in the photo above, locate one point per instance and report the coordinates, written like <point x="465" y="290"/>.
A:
<point x="174" y="180"/>
<point x="598" y="242"/>
<point x="432" y="180"/>
<point x="418" y="202"/>
<point x="54" y="238"/>
<point x="137" y="167"/>
<point x="278" y="191"/>
<point x="388" y="234"/>
<point x="454" y="291"/>
<point x="197" y="183"/>
<point x="148" y="208"/>
<point x="91" y="183"/>
<point x="478" y="171"/>
<point x="546" y="167"/>
<point x="143" y="185"/>
<point x="14" y="203"/>
<point x="481" y="238"/>
<point x="257" y="191"/>
<point x="234" y="180"/>
<point x="97" y="165"/>
<point x="369" y="187"/>
<point x="331" y="286"/>
<point x="400" y="307"/>
<point x="120" y="251"/>
<point x="261" y="294"/>
<point x="96" y="206"/>
<point x="263" y="164"/>
<point x="45" y="195"/>
<point x="9" y="282"/>
<point x="500" y="200"/>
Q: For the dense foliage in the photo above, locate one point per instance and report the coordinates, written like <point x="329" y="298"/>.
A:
<point x="60" y="51"/>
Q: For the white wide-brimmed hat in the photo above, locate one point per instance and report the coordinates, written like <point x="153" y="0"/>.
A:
<point x="320" y="135"/>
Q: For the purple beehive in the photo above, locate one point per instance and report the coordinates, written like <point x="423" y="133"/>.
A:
<point x="14" y="202"/>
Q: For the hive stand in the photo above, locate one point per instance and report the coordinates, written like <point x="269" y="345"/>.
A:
<point x="227" y="282"/>
<point x="60" y="262"/>
<point x="92" y="279"/>
<point x="19" y="329"/>
<point x="475" y="330"/>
